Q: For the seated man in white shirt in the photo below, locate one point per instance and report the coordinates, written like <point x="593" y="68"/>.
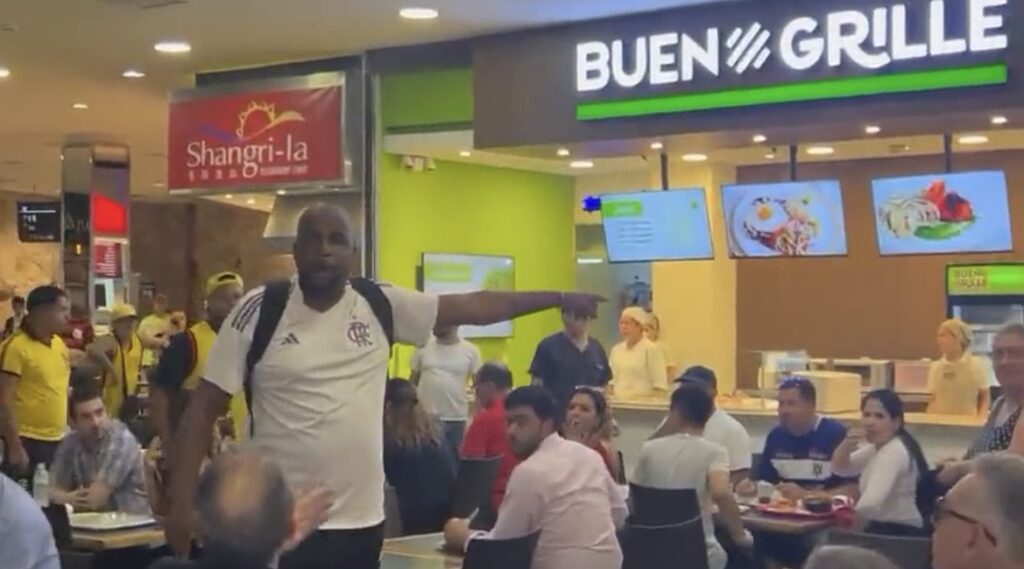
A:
<point x="683" y="459"/>
<point x="561" y="489"/>
<point x="721" y="428"/>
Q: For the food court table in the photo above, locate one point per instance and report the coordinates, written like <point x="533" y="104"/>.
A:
<point x="418" y="552"/>
<point x="754" y="521"/>
<point x="150" y="536"/>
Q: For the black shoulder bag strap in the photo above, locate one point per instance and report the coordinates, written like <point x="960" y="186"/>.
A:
<point x="275" y="298"/>
<point x="379" y="303"/>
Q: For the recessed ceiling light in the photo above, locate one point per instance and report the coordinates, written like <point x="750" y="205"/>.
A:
<point x="158" y="184"/>
<point x="872" y="129"/>
<point x="972" y="139"/>
<point x="418" y="13"/>
<point x="250" y="201"/>
<point x="4" y="73"/>
<point x="173" y="47"/>
<point x="229" y="197"/>
<point x="759" y="138"/>
<point x="770" y="156"/>
<point x="695" y="157"/>
<point x="581" y="164"/>
<point x="999" y="120"/>
<point x="282" y="192"/>
<point x="80" y="107"/>
<point x="821" y="150"/>
<point x="133" y="74"/>
<point x="465" y="153"/>
<point x="563" y="152"/>
<point x="657" y="146"/>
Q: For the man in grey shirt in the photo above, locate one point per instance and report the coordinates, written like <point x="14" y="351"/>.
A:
<point x="26" y="540"/>
<point x="684" y="459"/>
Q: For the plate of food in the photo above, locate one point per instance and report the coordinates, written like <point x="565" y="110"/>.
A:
<point x="810" y="508"/>
<point x="108" y="521"/>
<point x="785" y="220"/>
<point x="934" y="213"/>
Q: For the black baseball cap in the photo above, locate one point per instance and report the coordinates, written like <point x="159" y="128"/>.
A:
<point x="699" y="375"/>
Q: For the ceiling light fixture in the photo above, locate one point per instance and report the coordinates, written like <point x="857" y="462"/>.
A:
<point x="973" y="139"/>
<point x="80" y="107"/>
<point x="770" y="156"/>
<point x="250" y="201"/>
<point x="657" y="145"/>
<point x="581" y="164"/>
<point x="759" y="138"/>
<point x="695" y="157"/>
<point x="173" y="47"/>
<point x="133" y="74"/>
<point x="418" y="13"/>
<point x="872" y="129"/>
<point x="465" y="153"/>
<point x="282" y="192"/>
<point x="158" y="184"/>
<point x="229" y="197"/>
<point x="821" y="150"/>
<point x="999" y="120"/>
<point x="563" y="152"/>
<point x="4" y="73"/>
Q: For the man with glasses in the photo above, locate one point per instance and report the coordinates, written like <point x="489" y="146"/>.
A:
<point x="570" y="358"/>
<point x="981" y="520"/>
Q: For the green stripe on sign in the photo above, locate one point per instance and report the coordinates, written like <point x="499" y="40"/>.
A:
<point x="911" y="82"/>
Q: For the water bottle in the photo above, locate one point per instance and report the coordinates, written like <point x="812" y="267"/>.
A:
<point x="41" y="486"/>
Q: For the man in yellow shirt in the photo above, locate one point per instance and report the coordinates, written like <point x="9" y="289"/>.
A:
<point x="183" y="361"/>
<point x="155" y="330"/>
<point x="34" y="377"/>
<point x="120" y="357"/>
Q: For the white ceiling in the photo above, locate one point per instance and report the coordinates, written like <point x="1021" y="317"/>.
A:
<point x="63" y="52"/>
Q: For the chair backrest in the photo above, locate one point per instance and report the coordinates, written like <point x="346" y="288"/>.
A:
<point x="905" y="552"/>
<point x="501" y="554"/>
<point x="675" y="546"/>
<point x="659" y="507"/>
<point x="474" y="485"/>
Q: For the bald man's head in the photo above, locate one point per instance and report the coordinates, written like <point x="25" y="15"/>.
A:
<point x="245" y="507"/>
<point x="323" y="249"/>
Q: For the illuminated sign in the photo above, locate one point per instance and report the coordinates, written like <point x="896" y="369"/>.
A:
<point x="985" y="280"/>
<point x="891" y="47"/>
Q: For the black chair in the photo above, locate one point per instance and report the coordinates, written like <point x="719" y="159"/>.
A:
<point x="501" y="554"/>
<point x="474" y="485"/>
<point x="905" y="552"/>
<point x="678" y="546"/>
<point x="656" y="507"/>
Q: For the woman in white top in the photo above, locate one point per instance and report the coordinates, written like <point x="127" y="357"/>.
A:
<point x="890" y="464"/>
<point x="957" y="382"/>
<point x="653" y="331"/>
<point x="638" y="366"/>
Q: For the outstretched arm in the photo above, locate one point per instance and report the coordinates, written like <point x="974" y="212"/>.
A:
<point x="487" y="307"/>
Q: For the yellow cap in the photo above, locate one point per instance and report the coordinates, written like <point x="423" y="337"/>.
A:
<point x="120" y="311"/>
<point x="220" y="279"/>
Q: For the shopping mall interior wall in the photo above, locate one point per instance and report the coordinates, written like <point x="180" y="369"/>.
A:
<point x="463" y="208"/>
<point x="23" y="266"/>
<point x="226" y="238"/>
<point x="861" y="304"/>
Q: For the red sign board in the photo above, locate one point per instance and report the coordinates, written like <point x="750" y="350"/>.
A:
<point x="107" y="260"/>
<point x="108" y="215"/>
<point x="255" y="139"/>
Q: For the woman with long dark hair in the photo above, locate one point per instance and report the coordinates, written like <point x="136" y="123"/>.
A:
<point x="417" y="460"/>
<point x="892" y="468"/>
<point x="588" y="421"/>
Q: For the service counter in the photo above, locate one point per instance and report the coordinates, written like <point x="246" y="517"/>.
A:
<point x="941" y="436"/>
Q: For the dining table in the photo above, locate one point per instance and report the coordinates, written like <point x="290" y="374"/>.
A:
<point x="418" y="552"/>
<point x="111" y="540"/>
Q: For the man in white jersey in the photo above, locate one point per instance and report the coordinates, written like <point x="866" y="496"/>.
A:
<point x="317" y="393"/>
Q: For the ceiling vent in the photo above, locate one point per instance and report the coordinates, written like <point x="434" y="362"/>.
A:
<point x="145" y="4"/>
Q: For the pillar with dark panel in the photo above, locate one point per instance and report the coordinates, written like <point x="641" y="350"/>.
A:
<point x="95" y="195"/>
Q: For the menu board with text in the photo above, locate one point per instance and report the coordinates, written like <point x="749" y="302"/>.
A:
<point x="669" y="225"/>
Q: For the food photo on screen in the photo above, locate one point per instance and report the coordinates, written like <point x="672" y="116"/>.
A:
<point x="792" y="219"/>
<point x="942" y="213"/>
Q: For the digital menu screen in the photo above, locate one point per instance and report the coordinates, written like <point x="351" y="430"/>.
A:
<point x="39" y="222"/>
<point x="657" y="226"/>
<point x="791" y="219"/>
<point x="459" y="274"/>
<point x="942" y="213"/>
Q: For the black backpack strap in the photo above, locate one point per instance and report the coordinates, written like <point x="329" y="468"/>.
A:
<point x="275" y="298"/>
<point x="379" y="303"/>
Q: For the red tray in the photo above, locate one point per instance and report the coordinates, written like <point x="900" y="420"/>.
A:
<point x="770" y="510"/>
